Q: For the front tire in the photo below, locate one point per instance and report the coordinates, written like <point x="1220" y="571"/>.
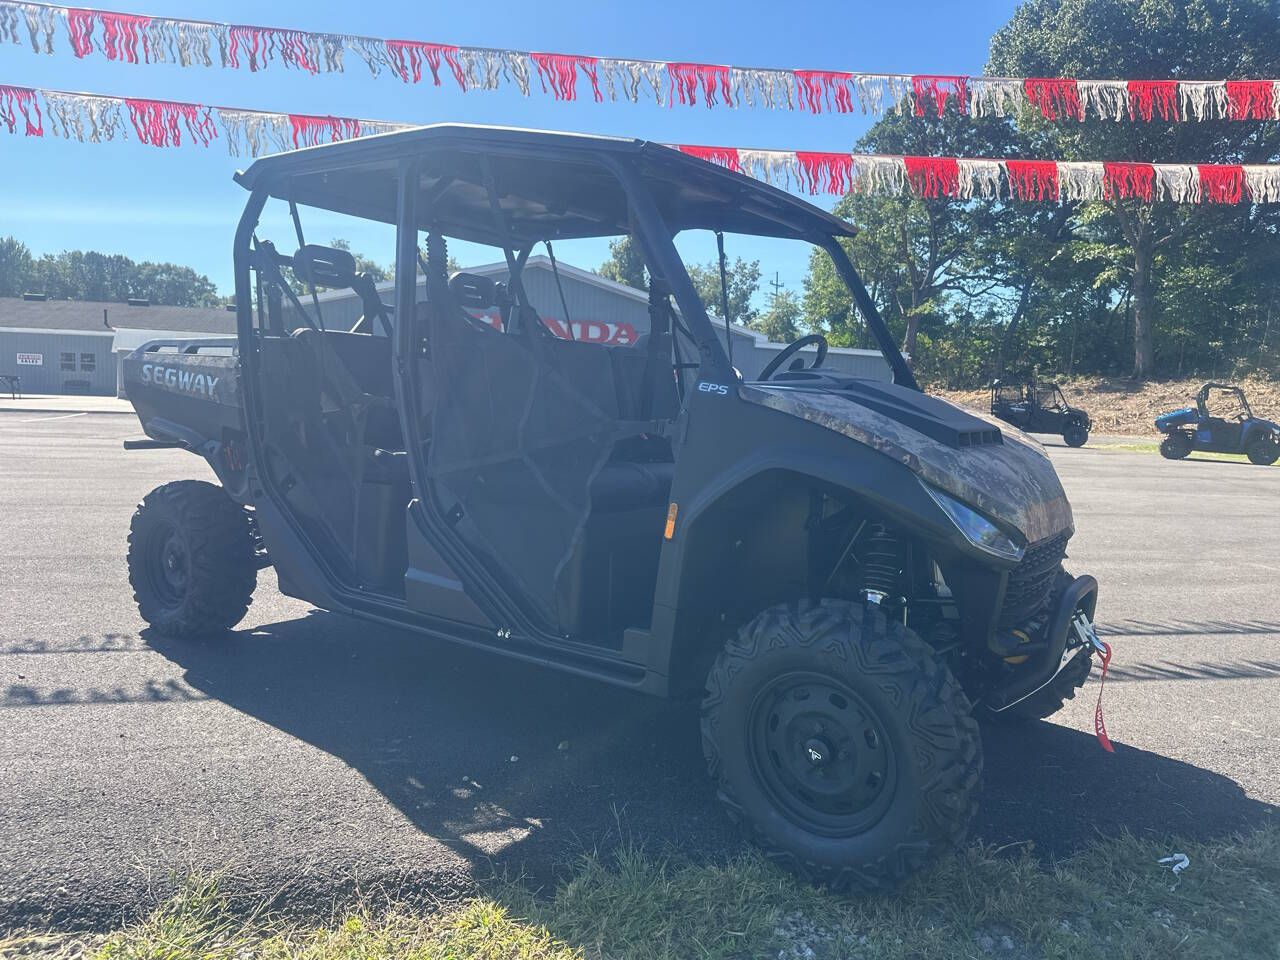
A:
<point x="841" y="743"/>
<point x="1264" y="451"/>
<point x="1075" y="435"/>
<point x="191" y="559"/>
<point x="1176" y="446"/>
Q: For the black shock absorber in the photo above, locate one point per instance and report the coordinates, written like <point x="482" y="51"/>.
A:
<point x="437" y="266"/>
<point x="881" y="563"/>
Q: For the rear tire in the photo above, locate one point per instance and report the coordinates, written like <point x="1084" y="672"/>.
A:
<point x="841" y="743"/>
<point x="1176" y="446"/>
<point x="1076" y="435"/>
<point x="1264" y="451"/>
<point x="191" y="559"/>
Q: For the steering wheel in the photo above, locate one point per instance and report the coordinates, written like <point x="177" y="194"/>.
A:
<point x="791" y="349"/>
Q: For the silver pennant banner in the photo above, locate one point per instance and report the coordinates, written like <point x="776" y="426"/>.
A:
<point x="980" y="178"/>
<point x="880" y="176"/>
<point x="87" y="119"/>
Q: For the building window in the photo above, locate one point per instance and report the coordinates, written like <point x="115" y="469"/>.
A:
<point x="67" y="361"/>
<point x="88" y="362"/>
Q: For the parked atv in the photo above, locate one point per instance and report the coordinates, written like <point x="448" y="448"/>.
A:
<point x="1040" y="408"/>
<point x="844" y="570"/>
<point x="1230" y="427"/>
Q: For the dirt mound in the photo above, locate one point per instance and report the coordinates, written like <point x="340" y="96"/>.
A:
<point x="1130" y="408"/>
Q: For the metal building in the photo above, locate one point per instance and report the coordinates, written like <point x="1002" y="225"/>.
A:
<point x="74" y="346"/>
<point x="603" y="311"/>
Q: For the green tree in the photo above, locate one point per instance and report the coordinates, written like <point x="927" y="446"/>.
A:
<point x="743" y="282"/>
<point x="919" y="258"/>
<point x="781" y="322"/>
<point x="625" y="265"/>
<point x="16" y="266"/>
<point x="89" y="275"/>
<point x="1148" y="38"/>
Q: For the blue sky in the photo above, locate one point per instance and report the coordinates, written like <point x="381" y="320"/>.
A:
<point x="181" y="205"/>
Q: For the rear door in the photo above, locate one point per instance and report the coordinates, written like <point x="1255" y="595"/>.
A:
<point x="521" y="425"/>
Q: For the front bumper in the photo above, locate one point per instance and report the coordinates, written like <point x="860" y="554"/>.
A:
<point x="1068" y="635"/>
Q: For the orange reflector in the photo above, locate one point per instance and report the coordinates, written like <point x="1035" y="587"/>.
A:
<point x="671" y="521"/>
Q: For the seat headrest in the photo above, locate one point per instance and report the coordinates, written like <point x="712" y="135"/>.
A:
<point x="475" y="292"/>
<point x="324" y="266"/>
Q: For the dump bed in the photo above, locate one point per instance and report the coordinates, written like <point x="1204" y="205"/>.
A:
<point x="185" y="390"/>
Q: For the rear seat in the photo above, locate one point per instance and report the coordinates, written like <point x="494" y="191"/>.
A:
<point x="631" y="486"/>
<point x="367" y="361"/>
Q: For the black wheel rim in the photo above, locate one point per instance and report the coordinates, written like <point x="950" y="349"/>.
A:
<point x="168" y="566"/>
<point x="821" y="754"/>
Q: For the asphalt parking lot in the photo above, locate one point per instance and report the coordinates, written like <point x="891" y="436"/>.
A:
<point x="316" y="754"/>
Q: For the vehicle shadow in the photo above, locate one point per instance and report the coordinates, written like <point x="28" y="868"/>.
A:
<point x="520" y="767"/>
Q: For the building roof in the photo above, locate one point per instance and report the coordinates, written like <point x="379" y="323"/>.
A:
<point x="86" y="316"/>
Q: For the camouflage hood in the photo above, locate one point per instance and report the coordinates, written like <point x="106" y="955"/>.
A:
<point x="995" y="469"/>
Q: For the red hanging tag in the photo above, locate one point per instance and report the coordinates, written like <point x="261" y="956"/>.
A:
<point x="1099" y="725"/>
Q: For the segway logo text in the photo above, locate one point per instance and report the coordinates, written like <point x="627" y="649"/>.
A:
<point x="175" y="378"/>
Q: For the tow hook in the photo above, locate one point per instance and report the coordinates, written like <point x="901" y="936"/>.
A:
<point x="1086" y="634"/>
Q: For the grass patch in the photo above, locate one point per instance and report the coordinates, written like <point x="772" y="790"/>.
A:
<point x="1110" y="901"/>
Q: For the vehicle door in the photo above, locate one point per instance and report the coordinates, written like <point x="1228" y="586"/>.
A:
<point x="1013" y="403"/>
<point x="523" y="422"/>
<point x="1225" y="420"/>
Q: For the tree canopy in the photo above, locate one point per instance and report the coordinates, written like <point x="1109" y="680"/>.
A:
<point x="89" y="275"/>
<point x="1153" y="289"/>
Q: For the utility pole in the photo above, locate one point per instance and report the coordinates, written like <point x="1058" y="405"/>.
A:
<point x="777" y="287"/>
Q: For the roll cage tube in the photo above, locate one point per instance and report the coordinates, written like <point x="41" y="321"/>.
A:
<point x="902" y="374"/>
<point x="241" y="258"/>
<point x="406" y="296"/>
<point x="659" y="250"/>
<point x="1202" y="399"/>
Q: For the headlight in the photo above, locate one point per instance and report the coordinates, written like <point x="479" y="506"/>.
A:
<point x="977" y="529"/>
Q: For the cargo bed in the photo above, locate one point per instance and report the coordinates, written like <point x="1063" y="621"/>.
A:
<point x="186" y="391"/>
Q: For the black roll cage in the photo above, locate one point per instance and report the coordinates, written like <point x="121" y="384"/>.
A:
<point x="304" y="177"/>
<point x="1206" y="391"/>
<point x="308" y="176"/>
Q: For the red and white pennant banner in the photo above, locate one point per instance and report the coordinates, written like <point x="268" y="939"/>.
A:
<point x="137" y="38"/>
<point x="164" y="123"/>
<point x="960" y="178"/>
<point x="92" y="118"/>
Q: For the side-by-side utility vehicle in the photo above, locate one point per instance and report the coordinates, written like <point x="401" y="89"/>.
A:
<point x="1039" y="407"/>
<point x="845" y="571"/>
<point x="1220" y="422"/>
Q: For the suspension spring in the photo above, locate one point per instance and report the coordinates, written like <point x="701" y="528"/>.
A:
<point x="881" y="561"/>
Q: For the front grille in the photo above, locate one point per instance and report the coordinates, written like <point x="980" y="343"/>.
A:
<point x="1031" y="582"/>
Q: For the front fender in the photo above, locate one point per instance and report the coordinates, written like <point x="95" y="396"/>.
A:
<point x="721" y="453"/>
<point x="1259" y="428"/>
